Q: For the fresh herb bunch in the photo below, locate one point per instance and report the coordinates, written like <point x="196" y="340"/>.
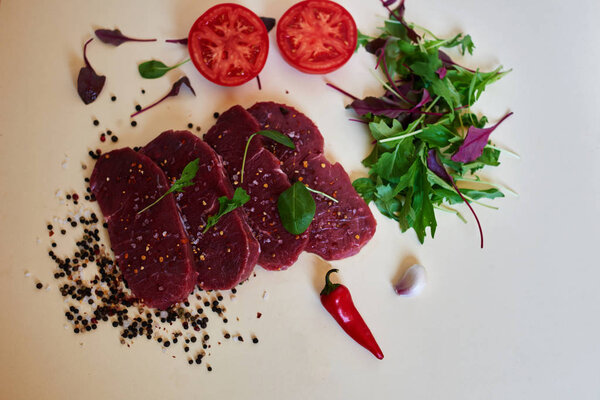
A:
<point x="425" y="135"/>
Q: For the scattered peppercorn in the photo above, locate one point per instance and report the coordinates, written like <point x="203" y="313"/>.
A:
<point x="96" y="122"/>
<point x="254" y="340"/>
<point x="216" y="115"/>
<point x="114" y="98"/>
<point x="114" y="139"/>
<point x="190" y="125"/>
<point x="39" y="285"/>
<point x="143" y="91"/>
<point x="138" y="107"/>
<point x="133" y="123"/>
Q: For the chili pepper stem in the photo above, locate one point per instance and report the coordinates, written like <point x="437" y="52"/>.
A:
<point x="329" y="287"/>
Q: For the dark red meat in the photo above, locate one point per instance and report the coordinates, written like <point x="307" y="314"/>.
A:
<point x="228" y="252"/>
<point x="152" y="249"/>
<point x="263" y="180"/>
<point x="338" y="230"/>
<point x="285" y="119"/>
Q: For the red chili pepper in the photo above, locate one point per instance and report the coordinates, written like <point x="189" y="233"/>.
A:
<point x="337" y="300"/>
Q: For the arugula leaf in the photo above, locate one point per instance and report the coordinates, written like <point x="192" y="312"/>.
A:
<point x="226" y="205"/>
<point x="365" y="187"/>
<point x="187" y="176"/>
<point x="273" y="135"/>
<point x="391" y="166"/>
<point x="296" y="208"/>
<point x="362" y="40"/>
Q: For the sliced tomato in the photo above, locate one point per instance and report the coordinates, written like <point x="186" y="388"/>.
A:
<point x="316" y="36"/>
<point x="228" y="44"/>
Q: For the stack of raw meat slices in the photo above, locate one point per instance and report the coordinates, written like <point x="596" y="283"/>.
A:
<point x="163" y="252"/>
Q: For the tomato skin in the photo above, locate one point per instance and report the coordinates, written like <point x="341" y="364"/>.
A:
<point x="228" y="44"/>
<point x="301" y="30"/>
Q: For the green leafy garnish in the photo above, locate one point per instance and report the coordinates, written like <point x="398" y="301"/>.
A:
<point x="273" y="135"/>
<point x="296" y="208"/>
<point x="240" y="197"/>
<point x="186" y="179"/>
<point x="155" y="69"/>
<point x="425" y="135"/>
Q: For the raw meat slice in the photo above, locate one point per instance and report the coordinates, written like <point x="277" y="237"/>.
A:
<point x="152" y="249"/>
<point x="228" y="252"/>
<point x="338" y="230"/>
<point x="263" y="180"/>
<point x="282" y="118"/>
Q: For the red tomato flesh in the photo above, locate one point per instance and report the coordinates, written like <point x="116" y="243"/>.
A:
<point x="316" y="36"/>
<point x="228" y="44"/>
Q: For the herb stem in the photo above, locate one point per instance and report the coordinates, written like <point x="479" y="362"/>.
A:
<point x="450" y="210"/>
<point x="510" y="153"/>
<point x="322" y="194"/>
<point x="150" y="106"/>
<point x="341" y="91"/>
<point x="156" y="201"/>
<point x="245" y="154"/>
<point x="423" y="29"/>
<point x="492" y="184"/>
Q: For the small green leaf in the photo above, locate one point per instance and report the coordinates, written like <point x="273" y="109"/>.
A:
<point x="155" y="69"/>
<point x="296" y="208"/>
<point x="240" y="197"/>
<point x="365" y="187"/>
<point x="278" y="137"/>
<point x="273" y="135"/>
<point x="362" y="40"/>
<point x="186" y="179"/>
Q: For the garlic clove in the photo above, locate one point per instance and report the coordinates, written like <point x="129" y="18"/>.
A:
<point x="412" y="282"/>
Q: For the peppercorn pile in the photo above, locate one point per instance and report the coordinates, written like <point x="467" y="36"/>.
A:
<point x="95" y="292"/>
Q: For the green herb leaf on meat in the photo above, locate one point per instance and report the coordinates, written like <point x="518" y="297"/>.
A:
<point x="226" y="205"/>
<point x="187" y="179"/>
<point x="273" y="135"/>
<point x="296" y="208"/>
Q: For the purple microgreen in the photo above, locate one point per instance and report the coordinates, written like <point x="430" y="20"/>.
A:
<point x="441" y="72"/>
<point x="89" y="83"/>
<point x="388" y="3"/>
<point x="331" y="85"/>
<point x="448" y="62"/>
<point x="425" y="98"/>
<point x="375" y="45"/>
<point x="183" y="41"/>
<point x="358" y="120"/>
<point x="476" y="139"/>
<point x="258" y="81"/>
<point x="437" y="168"/>
<point x="173" y="92"/>
<point x="116" y="38"/>
<point x="269" y="23"/>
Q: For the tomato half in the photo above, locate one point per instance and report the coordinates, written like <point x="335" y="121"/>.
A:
<point x="316" y="36"/>
<point x="228" y="44"/>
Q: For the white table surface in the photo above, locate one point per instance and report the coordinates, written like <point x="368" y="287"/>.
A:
<point x="517" y="320"/>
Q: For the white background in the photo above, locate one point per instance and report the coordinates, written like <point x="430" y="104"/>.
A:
<point x="517" y="320"/>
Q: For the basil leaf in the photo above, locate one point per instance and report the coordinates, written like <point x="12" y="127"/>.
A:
<point x="296" y="208"/>
<point x="155" y="69"/>
<point x="240" y="197"/>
